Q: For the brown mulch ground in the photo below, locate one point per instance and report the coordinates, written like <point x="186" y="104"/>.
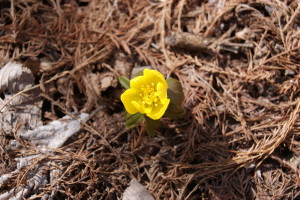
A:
<point x="238" y="63"/>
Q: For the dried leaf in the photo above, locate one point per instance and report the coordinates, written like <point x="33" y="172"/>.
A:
<point x="122" y="64"/>
<point x="25" y="161"/>
<point x="136" y="191"/>
<point x="25" y="109"/>
<point x="15" y="78"/>
<point x="107" y="80"/>
<point x="55" y="134"/>
<point x="5" y="177"/>
<point x="138" y="71"/>
<point x="33" y="182"/>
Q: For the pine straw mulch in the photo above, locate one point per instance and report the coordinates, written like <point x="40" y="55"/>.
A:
<point x="240" y="137"/>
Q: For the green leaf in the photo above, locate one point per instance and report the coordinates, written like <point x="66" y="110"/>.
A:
<point x="133" y="119"/>
<point x="174" y="84"/>
<point x="124" y="82"/>
<point x="175" y="92"/>
<point x="151" y="125"/>
<point x="175" y="111"/>
<point x="175" y="97"/>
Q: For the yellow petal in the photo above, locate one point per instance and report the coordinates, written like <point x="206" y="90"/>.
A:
<point x="153" y="76"/>
<point x="139" y="107"/>
<point x="137" y="82"/>
<point x="161" y="92"/>
<point x="158" y="111"/>
<point x="127" y="97"/>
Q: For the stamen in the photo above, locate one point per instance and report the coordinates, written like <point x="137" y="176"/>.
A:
<point x="149" y="95"/>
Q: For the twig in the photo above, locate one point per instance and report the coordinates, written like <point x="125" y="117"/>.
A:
<point x="188" y="41"/>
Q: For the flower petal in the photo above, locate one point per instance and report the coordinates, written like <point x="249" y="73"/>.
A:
<point x="137" y="82"/>
<point x="161" y="92"/>
<point x="141" y="98"/>
<point x="153" y="76"/>
<point x="127" y="97"/>
<point x="158" y="111"/>
<point x="138" y="106"/>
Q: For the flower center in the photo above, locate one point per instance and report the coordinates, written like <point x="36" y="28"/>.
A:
<point x="148" y="94"/>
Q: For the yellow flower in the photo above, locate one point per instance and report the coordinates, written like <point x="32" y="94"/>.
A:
<point x="147" y="94"/>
